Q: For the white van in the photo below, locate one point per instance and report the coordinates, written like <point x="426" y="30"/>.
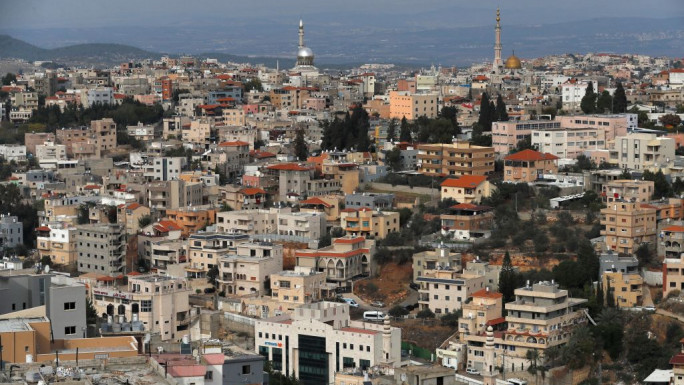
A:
<point x="373" y="316"/>
<point x="516" y="381"/>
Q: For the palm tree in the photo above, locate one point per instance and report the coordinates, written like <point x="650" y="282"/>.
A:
<point x="534" y="357"/>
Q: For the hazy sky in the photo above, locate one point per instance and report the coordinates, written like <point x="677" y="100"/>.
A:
<point x="36" y="14"/>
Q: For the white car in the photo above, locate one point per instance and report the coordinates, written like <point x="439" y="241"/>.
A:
<point x="350" y="302"/>
<point x="473" y="371"/>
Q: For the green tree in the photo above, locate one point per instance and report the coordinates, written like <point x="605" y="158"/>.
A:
<point x="111" y="214"/>
<point x="91" y="313"/>
<point x="508" y="279"/>
<point x="8" y="79"/>
<point x="661" y="187"/>
<point x="397" y="311"/>
<point x="253" y="84"/>
<point x="610" y="296"/>
<point x="212" y="276"/>
<point x="300" y="149"/>
<point x="404" y="131"/>
<point x="604" y="103"/>
<point x="425" y="313"/>
<point x="83" y="216"/>
<point x="485" y="118"/>
<point x="451" y="319"/>
<point x="670" y="120"/>
<point x="588" y="103"/>
<point x="501" y="113"/>
<point x="393" y="159"/>
<point x="223" y="179"/>
<point x="144" y="221"/>
<point x="392" y="130"/>
<point x="619" y="100"/>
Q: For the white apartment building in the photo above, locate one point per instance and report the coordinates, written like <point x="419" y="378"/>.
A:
<point x="318" y="340"/>
<point x="11" y="231"/>
<point x="568" y="143"/>
<point x="165" y="168"/>
<point x="445" y="290"/>
<point x="572" y="93"/>
<point x="100" y="95"/>
<point x="640" y="151"/>
<point x="13" y="152"/>
<point x="49" y="153"/>
<point x="278" y="221"/>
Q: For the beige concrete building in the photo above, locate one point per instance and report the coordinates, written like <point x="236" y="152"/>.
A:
<point x="641" y="151"/>
<point x="57" y="240"/>
<point x="198" y="132"/>
<point x="368" y="223"/>
<point x="159" y="302"/>
<point x="205" y="250"/>
<point x="460" y="158"/>
<point x="278" y="221"/>
<point x="101" y="249"/>
<point x="627" y="190"/>
<point x="319" y="339"/>
<point x="626" y="290"/>
<point x="484" y="310"/>
<point x="328" y="205"/>
<point x="444" y="291"/>
<point x="441" y="258"/>
<point x="129" y="216"/>
<point x="528" y="166"/>
<point x="467" y="189"/>
<point x="344" y="259"/>
<point x="627" y="225"/>
<point x="404" y="104"/>
<point x="298" y="286"/>
<point x="249" y="270"/>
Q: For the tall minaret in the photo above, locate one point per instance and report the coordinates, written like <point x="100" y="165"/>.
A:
<point x="497" y="45"/>
<point x="301" y="34"/>
<point x="489" y="371"/>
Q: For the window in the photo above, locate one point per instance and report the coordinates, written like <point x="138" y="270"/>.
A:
<point x="69" y="305"/>
<point x="145" y="306"/>
<point x="209" y="375"/>
<point x="246" y="369"/>
<point x="70" y="330"/>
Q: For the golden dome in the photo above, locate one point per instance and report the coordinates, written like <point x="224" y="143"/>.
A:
<point x="513" y="63"/>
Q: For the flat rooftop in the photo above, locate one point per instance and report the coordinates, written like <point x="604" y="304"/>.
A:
<point x="152" y="278"/>
<point x="19" y="324"/>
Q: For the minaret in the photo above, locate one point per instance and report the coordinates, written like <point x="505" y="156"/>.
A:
<point x="497" y="44"/>
<point x="489" y="371"/>
<point x="301" y="34"/>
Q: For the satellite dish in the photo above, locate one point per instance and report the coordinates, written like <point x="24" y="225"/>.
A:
<point x="46" y="269"/>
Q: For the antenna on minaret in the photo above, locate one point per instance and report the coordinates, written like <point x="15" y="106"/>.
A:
<point x="497" y="44"/>
<point x="277" y="65"/>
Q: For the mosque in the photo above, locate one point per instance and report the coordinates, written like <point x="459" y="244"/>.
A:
<point x="305" y="57"/>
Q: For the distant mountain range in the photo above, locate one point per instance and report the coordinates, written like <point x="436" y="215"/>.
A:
<point x="339" y="45"/>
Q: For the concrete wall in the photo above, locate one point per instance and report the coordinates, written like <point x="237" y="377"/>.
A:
<point x="61" y="318"/>
<point x="433" y="192"/>
<point x="238" y="323"/>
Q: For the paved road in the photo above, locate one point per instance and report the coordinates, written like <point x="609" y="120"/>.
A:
<point x="670" y="314"/>
<point x="646" y="298"/>
<point x="411" y="299"/>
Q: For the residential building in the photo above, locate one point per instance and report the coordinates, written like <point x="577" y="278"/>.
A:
<point x="297" y="180"/>
<point x="346" y="258"/>
<point x="298" y="286"/>
<point x="612" y="262"/>
<point x="542" y="316"/>
<point x="369" y="223"/>
<point x="441" y="258"/>
<point x="641" y="151"/>
<point x="625" y="290"/>
<point x="173" y="194"/>
<point x="66" y="308"/>
<point x="158" y="303"/>
<point x="242" y="198"/>
<point x="249" y="270"/>
<point x="506" y="135"/>
<point x="346" y="173"/>
<point x="144" y="133"/>
<point x="528" y="166"/>
<point x="32" y="139"/>
<point x="13" y="152"/>
<point x="370" y="200"/>
<point x="466" y="189"/>
<point x="327" y="204"/>
<point x="192" y="219"/>
<point x="101" y="249"/>
<point x="627" y="190"/>
<point x="278" y="221"/>
<point x="57" y="241"/>
<point x="404" y="104"/>
<point x="424" y="375"/>
<point x="205" y="250"/>
<point x="627" y="225"/>
<point x="445" y="290"/>
<point x="129" y="215"/>
<point x="317" y="340"/>
<point x="484" y="310"/>
<point x="460" y="158"/>
<point x="568" y="142"/>
<point x="99" y="95"/>
<point x="677" y="362"/>
<point x="27" y="100"/>
<point x="671" y="243"/>
<point x="11" y="231"/>
<point x="165" y="168"/>
<point x="467" y="221"/>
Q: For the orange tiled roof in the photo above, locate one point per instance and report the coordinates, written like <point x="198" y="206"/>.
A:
<point x="465" y="181"/>
<point x="349" y="240"/>
<point x="674" y="229"/>
<point x="288" y="167"/>
<point x="484" y="293"/>
<point x="529" y="155"/>
<point x="236" y="143"/>
<point x="252" y="191"/>
<point x="315" y="201"/>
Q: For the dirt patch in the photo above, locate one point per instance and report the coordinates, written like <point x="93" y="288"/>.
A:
<point x="428" y="334"/>
<point x="390" y="286"/>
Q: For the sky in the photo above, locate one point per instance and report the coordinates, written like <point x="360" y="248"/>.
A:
<point x="39" y="14"/>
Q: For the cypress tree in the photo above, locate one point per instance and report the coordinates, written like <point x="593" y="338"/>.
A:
<point x="619" y="100"/>
<point x="501" y="113"/>
<point x="404" y="131"/>
<point x="507" y="279"/>
<point x="588" y="103"/>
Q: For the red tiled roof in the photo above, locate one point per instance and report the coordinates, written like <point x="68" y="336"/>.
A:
<point x="214" y="359"/>
<point x="678" y="359"/>
<point x="252" y="191"/>
<point x="133" y="206"/>
<point x="187" y="371"/>
<point x="496" y="321"/>
<point x="106" y="279"/>
<point x="675" y="229"/>
<point x="237" y="143"/>
<point x="469" y="206"/>
<point x="288" y="167"/>
<point x="261" y="154"/>
<point x="91" y="187"/>
<point x="484" y="293"/>
<point x="315" y="201"/>
<point x="133" y="274"/>
<point x="43" y="228"/>
<point x="466" y="181"/>
<point x="529" y="155"/>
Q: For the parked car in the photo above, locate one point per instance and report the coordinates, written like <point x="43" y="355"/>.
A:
<point x="374" y="316"/>
<point x="473" y="371"/>
<point x="350" y="302"/>
<point x="378" y="304"/>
